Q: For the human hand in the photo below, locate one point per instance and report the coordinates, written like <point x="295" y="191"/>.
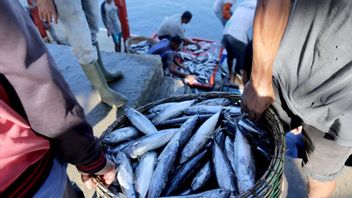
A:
<point x="190" y="79"/>
<point x="107" y="175"/>
<point x="257" y="98"/>
<point x="47" y="10"/>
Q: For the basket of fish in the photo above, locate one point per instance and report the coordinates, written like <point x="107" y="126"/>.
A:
<point x="139" y="44"/>
<point x="197" y="145"/>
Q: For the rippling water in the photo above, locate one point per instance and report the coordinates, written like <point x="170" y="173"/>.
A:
<point x="145" y="16"/>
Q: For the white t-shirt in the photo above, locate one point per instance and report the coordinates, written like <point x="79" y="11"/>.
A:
<point x="172" y="26"/>
<point x="241" y="20"/>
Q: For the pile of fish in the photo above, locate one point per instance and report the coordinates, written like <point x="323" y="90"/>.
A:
<point x="200" y="62"/>
<point x="194" y="148"/>
<point x="141" y="47"/>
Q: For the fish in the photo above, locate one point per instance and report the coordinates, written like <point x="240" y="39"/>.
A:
<point x="120" y="147"/>
<point x="200" y="138"/>
<point x="160" y="107"/>
<point x="144" y="173"/>
<point x="215" y="102"/>
<point x="225" y="176"/>
<point x="216" y="193"/>
<point x="180" y="120"/>
<point x="198" y="109"/>
<point x="125" y="175"/>
<point x="138" y="120"/>
<point x="244" y="166"/>
<point x="162" y="170"/>
<point x="121" y="135"/>
<point x="184" y="171"/>
<point x="202" y="177"/>
<point x="149" y="143"/>
<point x="182" y="136"/>
<point x="229" y="151"/>
<point x="172" y="111"/>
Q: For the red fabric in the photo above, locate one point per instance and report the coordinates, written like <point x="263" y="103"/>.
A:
<point x="20" y="147"/>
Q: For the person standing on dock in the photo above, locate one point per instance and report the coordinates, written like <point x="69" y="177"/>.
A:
<point x="80" y="19"/>
<point x="109" y="14"/>
<point x="172" y="26"/>
<point x="302" y="66"/>
<point x="42" y="126"/>
<point x="236" y="36"/>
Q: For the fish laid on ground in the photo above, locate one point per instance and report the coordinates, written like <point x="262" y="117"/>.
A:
<point x="172" y="111"/>
<point x="138" y="120"/>
<point x="200" y="138"/>
<point x="150" y="142"/>
<point x="224" y="174"/>
<point x="144" y="173"/>
<point x="125" y="175"/>
<point x="244" y="166"/>
<point x="121" y="135"/>
<point x="202" y="177"/>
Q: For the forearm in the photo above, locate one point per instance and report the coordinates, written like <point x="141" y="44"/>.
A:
<point x="173" y="69"/>
<point x="269" y="26"/>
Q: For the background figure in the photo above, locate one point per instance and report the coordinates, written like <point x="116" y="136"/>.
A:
<point x="109" y="14"/>
<point x="172" y="26"/>
<point x="42" y="125"/>
<point x="80" y="19"/>
<point x="167" y="50"/>
<point x="236" y="37"/>
<point x="222" y="9"/>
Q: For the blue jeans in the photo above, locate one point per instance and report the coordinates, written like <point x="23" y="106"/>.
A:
<point x="55" y="184"/>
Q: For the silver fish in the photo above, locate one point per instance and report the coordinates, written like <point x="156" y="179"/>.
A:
<point x="202" y="177"/>
<point x="172" y="111"/>
<point x="223" y="170"/>
<point x="138" y="120"/>
<point x="121" y="135"/>
<point x="229" y="151"/>
<point x="198" y="109"/>
<point x="160" y="107"/>
<point x="150" y="142"/>
<point x="125" y="175"/>
<point x="184" y="171"/>
<point x="217" y="193"/>
<point x="182" y="136"/>
<point x="244" y="166"/>
<point x="162" y="170"/>
<point x="180" y="120"/>
<point x="200" y="138"/>
<point x="215" y="102"/>
<point x="144" y="173"/>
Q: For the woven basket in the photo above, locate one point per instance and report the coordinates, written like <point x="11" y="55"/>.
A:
<point x="135" y="40"/>
<point x="269" y="185"/>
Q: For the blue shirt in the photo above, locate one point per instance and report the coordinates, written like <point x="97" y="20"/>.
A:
<point x="164" y="50"/>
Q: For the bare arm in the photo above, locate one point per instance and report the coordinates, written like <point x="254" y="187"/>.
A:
<point x="270" y="22"/>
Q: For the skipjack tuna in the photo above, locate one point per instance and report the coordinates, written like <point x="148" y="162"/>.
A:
<point x="194" y="148"/>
